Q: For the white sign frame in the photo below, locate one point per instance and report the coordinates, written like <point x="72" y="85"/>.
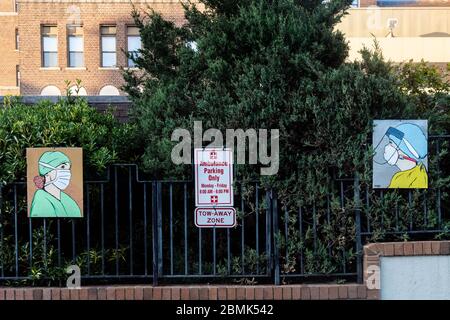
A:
<point x="227" y="225"/>
<point x="223" y="155"/>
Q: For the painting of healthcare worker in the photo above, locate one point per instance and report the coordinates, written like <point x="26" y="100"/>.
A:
<point x="55" y="182"/>
<point x="400" y="154"/>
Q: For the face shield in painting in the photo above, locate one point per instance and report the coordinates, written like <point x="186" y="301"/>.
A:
<point x="386" y="151"/>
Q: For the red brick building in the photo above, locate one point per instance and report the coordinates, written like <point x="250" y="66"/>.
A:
<point x="8" y="48"/>
<point x="59" y="40"/>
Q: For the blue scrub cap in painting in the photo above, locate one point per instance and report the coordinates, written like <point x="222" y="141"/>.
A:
<point x="410" y="139"/>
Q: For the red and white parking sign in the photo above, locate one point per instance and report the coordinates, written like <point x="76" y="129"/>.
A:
<point x="213" y="177"/>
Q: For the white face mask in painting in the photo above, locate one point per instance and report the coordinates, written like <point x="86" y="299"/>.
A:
<point x="62" y="177"/>
<point x="391" y="154"/>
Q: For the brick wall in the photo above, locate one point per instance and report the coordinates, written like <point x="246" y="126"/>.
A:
<point x="6" y="5"/>
<point x="295" y="292"/>
<point x="91" y="14"/>
<point x="8" y="52"/>
<point x="417" y="3"/>
<point x="373" y="252"/>
<point x="120" y="109"/>
<point x="367" y="3"/>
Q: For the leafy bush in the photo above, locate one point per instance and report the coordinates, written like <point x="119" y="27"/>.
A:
<point x="69" y="122"/>
<point x="286" y="71"/>
<point x="47" y="268"/>
<point x="281" y="64"/>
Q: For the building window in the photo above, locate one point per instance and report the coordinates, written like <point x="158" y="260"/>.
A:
<point x="76" y="47"/>
<point x="17" y="39"/>
<point x="133" y="44"/>
<point x="17" y="76"/>
<point x="49" y="46"/>
<point x="108" y="46"/>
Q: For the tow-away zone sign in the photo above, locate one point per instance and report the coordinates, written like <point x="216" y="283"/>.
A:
<point x="215" y="217"/>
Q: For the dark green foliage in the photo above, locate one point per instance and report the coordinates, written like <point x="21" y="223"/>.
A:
<point x="260" y="55"/>
<point x="67" y="123"/>
<point x="271" y="64"/>
<point x="46" y="268"/>
<point x="70" y="122"/>
<point x="281" y="64"/>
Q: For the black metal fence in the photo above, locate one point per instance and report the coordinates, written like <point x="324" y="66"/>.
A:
<point x="143" y="230"/>
<point x="132" y="229"/>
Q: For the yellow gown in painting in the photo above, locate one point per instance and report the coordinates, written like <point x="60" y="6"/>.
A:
<point x="416" y="177"/>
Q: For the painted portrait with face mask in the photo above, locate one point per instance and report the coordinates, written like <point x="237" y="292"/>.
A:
<point x="54" y="191"/>
<point x="400" y="154"/>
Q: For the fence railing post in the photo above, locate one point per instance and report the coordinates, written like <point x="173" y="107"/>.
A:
<point x="357" y="201"/>
<point x="276" y="240"/>
<point x="159" y="224"/>
<point x="269" y="232"/>
<point x="155" y="234"/>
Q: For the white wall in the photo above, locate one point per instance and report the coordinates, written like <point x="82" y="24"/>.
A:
<point x="420" y="33"/>
<point x="411" y="22"/>
<point x="418" y="277"/>
<point x="432" y="49"/>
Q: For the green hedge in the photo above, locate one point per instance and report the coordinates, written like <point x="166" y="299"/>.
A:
<point x="71" y="122"/>
<point x="283" y="65"/>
